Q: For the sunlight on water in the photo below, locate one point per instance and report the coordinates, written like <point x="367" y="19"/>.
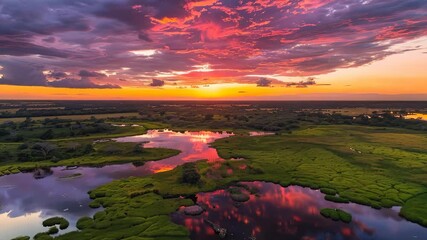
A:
<point x="419" y="116"/>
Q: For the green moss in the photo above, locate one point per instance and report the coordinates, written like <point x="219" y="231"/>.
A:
<point x="22" y="238"/>
<point x="317" y="157"/>
<point x="328" y="191"/>
<point x="95" y="204"/>
<point x="62" y="222"/>
<point x="42" y="236"/>
<point x="53" y="230"/>
<point x="415" y="209"/>
<point x="84" y="223"/>
<point x="125" y="154"/>
<point x="336" y="214"/>
<point x="336" y="199"/>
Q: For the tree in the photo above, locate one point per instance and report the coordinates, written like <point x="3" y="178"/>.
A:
<point x="4" y="132"/>
<point x="190" y="174"/>
<point x="47" y="135"/>
<point x="88" y="149"/>
<point x="138" y="148"/>
<point x="44" y="148"/>
<point x="209" y="117"/>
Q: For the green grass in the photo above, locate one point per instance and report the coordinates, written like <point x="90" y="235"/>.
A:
<point x="22" y="238"/>
<point x="124" y="154"/>
<point x="74" y="117"/>
<point x="62" y="222"/>
<point x="415" y="209"/>
<point x="336" y="214"/>
<point x="350" y="163"/>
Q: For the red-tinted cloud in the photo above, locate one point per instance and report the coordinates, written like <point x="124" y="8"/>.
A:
<point x="141" y="39"/>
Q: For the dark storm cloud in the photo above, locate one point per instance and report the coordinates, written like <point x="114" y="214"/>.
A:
<point x="27" y="74"/>
<point x="80" y="83"/>
<point x="88" y="74"/>
<point x="310" y="81"/>
<point x="264" y="82"/>
<point x="57" y="75"/>
<point x="22" y="73"/>
<point x="19" y="48"/>
<point x="157" y="83"/>
<point x="237" y="38"/>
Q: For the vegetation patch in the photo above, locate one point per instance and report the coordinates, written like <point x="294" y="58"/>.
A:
<point x="62" y="222"/>
<point x="415" y="209"/>
<point x="22" y="238"/>
<point x="190" y="173"/>
<point x="336" y="214"/>
<point x="336" y="199"/>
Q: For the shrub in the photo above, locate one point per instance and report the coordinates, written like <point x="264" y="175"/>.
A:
<point x="138" y="148"/>
<point x="47" y="135"/>
<point x="190" y="174"/>
<point x="4" y="132"/>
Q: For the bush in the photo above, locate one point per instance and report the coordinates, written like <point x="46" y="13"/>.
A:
<point x="4" y="132"/>
<point x="24" y="156"/>
<point x="190" y="174"/>
<point x="88" y="149"/>
<point x="138" y="148"/>
<point x="47" y="135"/>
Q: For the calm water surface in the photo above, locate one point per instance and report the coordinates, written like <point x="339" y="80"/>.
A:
<point x="25" y="201"/>
<point x="277" y="213"/>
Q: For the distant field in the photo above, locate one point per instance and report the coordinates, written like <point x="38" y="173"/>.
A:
<point x="75" y="117"/>
<point x="355" y="111"/>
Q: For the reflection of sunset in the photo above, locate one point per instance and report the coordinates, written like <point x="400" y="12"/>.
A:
<point x="163" y="169"/>
<point x="274" y="213"/>
<point x="193" y="146"/>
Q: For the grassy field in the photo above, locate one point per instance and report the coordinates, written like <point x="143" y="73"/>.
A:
<point x="351" y="161"/>
<point x="68" y="150"/>
<point x="103" y="154"/>
<point x="74" y="117"/>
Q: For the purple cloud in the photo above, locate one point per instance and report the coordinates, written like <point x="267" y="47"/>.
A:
<point x="157" y="83"/>
<point x="236" y="38"/>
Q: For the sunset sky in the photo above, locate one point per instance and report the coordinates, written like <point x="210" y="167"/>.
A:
<point x="213" y="49"/>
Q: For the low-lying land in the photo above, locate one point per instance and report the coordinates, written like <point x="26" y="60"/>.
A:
<point x="350" y="162"/>
<point x="378" y="160"/>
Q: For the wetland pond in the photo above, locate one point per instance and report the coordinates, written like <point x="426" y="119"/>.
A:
<point x="274" y="212"/>
<point x="26" y="201"/>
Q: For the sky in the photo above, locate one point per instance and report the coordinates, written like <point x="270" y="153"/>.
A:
<point x="213" y="49"/>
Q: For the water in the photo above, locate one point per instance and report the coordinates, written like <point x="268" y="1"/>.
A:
<point x="278" y="213"/>
<point x="419" y="116"/>
<point x="25" y="201"/>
